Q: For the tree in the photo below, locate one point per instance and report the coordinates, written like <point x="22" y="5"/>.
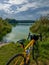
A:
<point x="41" y="26"/>
<point x="5" y="28"/>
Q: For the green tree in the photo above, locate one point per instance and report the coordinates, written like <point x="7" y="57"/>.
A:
<point x="41" y="26"/>
<point x="5" y="28"/>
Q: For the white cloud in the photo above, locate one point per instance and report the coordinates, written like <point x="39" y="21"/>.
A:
<point x="17" y="2"/>
<point x="6" y="8"/>
<point x="36" y="4"/>
<point x="43" y="4"/>
<point x="26" y="7"/>
<point x="43" y="12"/>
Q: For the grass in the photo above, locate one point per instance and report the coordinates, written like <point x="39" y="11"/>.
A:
<point x="11" y="49"/>
<point x="7" y="51"/>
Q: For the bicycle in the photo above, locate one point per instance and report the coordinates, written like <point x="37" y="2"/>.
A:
<point x="24" y="58"/>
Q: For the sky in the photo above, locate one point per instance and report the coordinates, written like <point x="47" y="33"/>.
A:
<point x="24" y="9"/>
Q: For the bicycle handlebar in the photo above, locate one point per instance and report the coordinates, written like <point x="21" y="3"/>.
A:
<point x="35" y="37"/>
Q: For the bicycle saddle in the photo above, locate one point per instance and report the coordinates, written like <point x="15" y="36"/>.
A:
<point x="21" y="41"/>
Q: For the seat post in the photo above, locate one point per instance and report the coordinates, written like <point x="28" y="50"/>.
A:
<point x="22" y="44"/>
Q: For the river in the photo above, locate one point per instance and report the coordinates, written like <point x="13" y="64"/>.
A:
<point x="18" y="32"/>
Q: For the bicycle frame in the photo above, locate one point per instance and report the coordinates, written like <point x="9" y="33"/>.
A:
<point x="27" y="55"/>
<point x="27" y="51"/>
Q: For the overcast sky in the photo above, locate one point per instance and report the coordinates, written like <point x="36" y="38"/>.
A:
<point x="24" y="9"/>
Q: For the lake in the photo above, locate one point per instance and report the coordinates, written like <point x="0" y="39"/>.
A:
<point x="18" y="32"/>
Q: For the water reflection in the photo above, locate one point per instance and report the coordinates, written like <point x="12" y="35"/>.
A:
<point x="17" y="33"/>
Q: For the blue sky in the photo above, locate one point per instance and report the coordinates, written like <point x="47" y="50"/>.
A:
<point x="24" y="9"/>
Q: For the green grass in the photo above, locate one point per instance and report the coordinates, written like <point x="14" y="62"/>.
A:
<point x="11" y="49"/>
<point x="7" y="51"/>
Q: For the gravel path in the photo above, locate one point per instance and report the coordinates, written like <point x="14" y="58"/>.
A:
<point x="3" y="44"/>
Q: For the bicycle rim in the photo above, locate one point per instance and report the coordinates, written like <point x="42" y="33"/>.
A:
<point x="17" y="60"/>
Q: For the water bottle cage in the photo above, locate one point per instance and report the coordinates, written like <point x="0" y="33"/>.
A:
<point x="27" y="51"/>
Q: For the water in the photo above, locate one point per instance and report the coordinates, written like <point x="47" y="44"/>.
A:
<point x="18" y="32"/>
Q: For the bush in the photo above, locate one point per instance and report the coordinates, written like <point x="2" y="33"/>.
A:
<point x="41" y="26"/>
<point x="5" y="28"/>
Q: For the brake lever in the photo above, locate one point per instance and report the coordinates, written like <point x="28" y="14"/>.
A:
<point x="28" y="36"/>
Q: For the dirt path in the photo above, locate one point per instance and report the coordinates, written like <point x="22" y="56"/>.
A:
<point x="3" y="44"/>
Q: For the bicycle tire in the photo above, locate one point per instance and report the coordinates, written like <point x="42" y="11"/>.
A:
<point x="15" y="57"/>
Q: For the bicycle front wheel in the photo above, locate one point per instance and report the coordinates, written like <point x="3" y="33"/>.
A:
<point x="17" y="60"/>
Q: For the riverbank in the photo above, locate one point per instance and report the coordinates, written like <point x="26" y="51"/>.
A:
<point x="5" y="28"/>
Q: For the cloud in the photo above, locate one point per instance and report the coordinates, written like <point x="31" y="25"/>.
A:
<point x="26" y="7"/>
<point x="7" y="7"/>
<point x="14" y="7"/>
<point x="33" y="5"/>
<point x="4" y="7"/>
<point x="17" y="2"/>
<point x="43" y="12"/>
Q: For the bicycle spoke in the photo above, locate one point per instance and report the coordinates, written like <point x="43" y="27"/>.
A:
<point x="16" y="60"/>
